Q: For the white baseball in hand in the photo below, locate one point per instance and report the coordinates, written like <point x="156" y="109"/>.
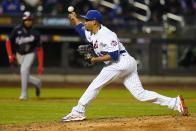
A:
<point x="70" y="9"/>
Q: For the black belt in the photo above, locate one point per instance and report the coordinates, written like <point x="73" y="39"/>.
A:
<point x="123" y="51"/>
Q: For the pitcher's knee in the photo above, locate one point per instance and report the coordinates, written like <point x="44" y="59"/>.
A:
<point x="141" y="96"/>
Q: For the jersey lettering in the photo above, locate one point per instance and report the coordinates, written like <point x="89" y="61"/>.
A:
<point x="114" y="43"/>
<point x="21" y="40"/>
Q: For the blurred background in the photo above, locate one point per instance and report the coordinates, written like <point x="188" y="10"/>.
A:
<point x="160" y="34"/>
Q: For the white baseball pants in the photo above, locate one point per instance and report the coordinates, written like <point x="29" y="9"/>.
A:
<point x="125" y="69"/>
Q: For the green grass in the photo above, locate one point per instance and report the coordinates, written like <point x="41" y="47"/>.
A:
<point x="57" y="102"/>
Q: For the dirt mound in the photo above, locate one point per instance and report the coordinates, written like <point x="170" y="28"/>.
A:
<point x="147" y="123"/>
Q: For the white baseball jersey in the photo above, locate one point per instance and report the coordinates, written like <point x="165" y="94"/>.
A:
<point x="104" y="41"/>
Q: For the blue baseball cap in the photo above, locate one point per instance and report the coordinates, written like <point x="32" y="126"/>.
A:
<point x="93" y="15"/>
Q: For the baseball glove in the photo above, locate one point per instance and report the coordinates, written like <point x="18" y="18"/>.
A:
<point x="87" y="52"/>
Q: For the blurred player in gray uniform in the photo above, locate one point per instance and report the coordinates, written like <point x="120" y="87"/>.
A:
<point x="119" y="64"/>
<point x="22" y="46"/>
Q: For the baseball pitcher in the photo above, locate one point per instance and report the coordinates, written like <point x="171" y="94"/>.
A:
<point x="118" y="64"/>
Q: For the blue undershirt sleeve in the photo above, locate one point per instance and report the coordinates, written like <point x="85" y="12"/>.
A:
<point x="114" y="55"/>
<point x="80" y="30"/>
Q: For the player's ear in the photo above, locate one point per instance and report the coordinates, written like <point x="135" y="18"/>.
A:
<point x="95" y="22"/>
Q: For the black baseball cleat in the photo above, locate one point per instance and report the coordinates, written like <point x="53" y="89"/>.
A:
<point x="38" y="90"/>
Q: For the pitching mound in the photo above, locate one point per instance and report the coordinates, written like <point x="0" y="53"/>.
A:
<point x="148" y="123"/>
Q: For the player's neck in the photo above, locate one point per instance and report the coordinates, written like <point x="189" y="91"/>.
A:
<point x="96" y="29"/>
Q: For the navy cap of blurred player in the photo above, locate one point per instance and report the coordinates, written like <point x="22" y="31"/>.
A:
<point x="27" y="15"/>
